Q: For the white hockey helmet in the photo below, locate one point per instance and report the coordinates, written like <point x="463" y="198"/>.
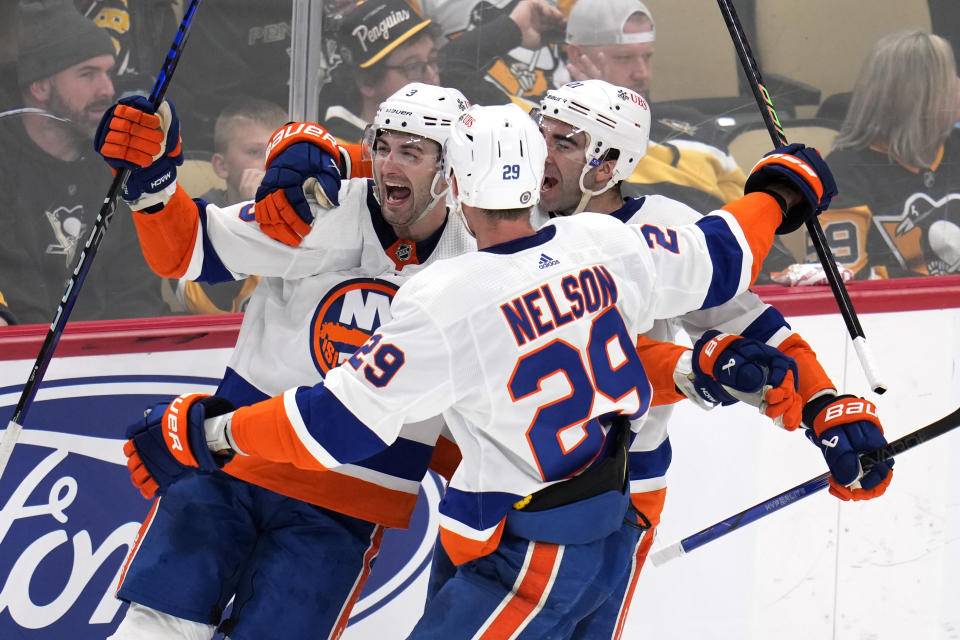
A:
<point x="423" y="110"/>
<point x="612" y="117"/>
<point x="497" y="155"/>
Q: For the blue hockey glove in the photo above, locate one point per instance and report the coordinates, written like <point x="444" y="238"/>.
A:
<point x="728" y="368"/>
<point x="132" y="136"/>
<point x="843" y="427"/>
<point x="805" y="170"/>
<point x="170" y="442"/>
<point x="302" y="159"/>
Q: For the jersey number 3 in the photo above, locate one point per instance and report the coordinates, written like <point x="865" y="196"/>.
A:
<point x="565" y="434"/>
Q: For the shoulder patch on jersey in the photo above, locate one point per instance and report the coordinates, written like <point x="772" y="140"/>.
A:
<point x="349" y="314"/>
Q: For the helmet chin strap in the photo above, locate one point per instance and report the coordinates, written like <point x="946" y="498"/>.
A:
<point x="587" y="194"/>
<point x="435" y="196"/>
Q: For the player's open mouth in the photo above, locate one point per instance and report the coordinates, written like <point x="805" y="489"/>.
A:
<point x="549" y="182"/>
<point x="396" y="194"/>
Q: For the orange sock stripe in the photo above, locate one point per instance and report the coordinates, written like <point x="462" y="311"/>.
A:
<point x="144" y="527"/>
<point x="368" y="559"/>
<point x="167" y="237"/>
<point x="759" y="216"/>
<point x="529" y="592"/>
<point x="643" y="548"/>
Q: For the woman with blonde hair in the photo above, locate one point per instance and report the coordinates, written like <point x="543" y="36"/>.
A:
<point x="897" y="163"/>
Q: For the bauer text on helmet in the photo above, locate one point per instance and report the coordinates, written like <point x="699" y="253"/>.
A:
<point x="404" y="142"/>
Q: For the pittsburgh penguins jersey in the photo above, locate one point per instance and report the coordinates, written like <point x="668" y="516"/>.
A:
<point x="893" y="220"/>
<point x="524" y="347"/>
<point x="746" y="315"/>
<point x="313" y="307"/>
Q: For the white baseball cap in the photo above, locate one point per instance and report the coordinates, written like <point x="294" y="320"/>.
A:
<point x="601" y="22"/>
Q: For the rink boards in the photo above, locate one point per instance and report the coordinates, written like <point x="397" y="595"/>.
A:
<point x="889" y="568"/>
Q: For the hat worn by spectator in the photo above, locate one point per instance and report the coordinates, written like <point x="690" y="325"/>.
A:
<point x="601" y="22"/>
<point x="375" y="28"/>
<point x="53" y="37"/>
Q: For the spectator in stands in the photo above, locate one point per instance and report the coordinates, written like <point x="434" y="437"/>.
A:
<point x="499" y="50"/>
<point x="140" y="32"/>
<point x="897" y="163"/>
<point x="384" y="45"/>
<point x="240" y="139"/>
<point x="53" y="183"/>
<point x="614" y="40"/>
<point x="9" y="96"/>
<point x="610" y="40"/>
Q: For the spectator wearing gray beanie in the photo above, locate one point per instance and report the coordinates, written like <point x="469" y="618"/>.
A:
<point x="63" y="67"/>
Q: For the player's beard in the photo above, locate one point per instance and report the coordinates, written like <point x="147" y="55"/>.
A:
<point x="83" y="119"/>
<point x="563" y="195"/>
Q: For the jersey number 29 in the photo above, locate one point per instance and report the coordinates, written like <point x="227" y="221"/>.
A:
<point x="565" y="434"/>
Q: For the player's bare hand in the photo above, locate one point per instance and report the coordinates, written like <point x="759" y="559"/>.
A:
<point x="536" y="18"/>
<point x="583" y="68"/>
<point x="249" y="181"/>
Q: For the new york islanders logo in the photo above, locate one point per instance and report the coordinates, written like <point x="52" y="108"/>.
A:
<point x="346" y="317"/>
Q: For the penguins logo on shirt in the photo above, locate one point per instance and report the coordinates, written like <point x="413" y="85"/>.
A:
<point x="349" y="314"/>
<point x="912" y="238"/>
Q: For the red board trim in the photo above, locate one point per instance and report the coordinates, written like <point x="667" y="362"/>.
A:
<point x="220" y="331"/>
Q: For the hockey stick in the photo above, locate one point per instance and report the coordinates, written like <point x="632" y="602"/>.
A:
<point x="811" y="486"/>
<point x="817" y="236"/>
<point x="12" y="432"/>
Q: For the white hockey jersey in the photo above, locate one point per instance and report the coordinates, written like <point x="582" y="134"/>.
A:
<point x="314" y="305"/>
<point x="523" y="347"/>
<point x="746" y="314"/>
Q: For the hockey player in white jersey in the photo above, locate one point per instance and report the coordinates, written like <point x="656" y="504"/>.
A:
<point x="596" y="133"/>
<point x="278" y="538"/>
<point x="526" y="347"/>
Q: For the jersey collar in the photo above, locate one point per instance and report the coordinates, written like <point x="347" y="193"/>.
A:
<point x="400" y="250"/>
<point x="629" y="208"/>
<point x="544" y="235"/>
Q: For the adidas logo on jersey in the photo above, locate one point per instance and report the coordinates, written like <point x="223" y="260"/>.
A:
<point x="547" y="261"/>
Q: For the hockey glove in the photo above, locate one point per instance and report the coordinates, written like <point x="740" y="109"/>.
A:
<point x="170" y="440"/>
<point x="132" y="136"/>
<point x="725" y="368"/>
<point x="302" y="160"/>
<point x="843" y="427"/>
<point x="803" y="169"/>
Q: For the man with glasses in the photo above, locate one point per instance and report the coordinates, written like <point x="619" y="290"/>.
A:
<point x="383" y="45"/>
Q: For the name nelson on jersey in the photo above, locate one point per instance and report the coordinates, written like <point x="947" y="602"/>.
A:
<point x="538" y="312"/>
